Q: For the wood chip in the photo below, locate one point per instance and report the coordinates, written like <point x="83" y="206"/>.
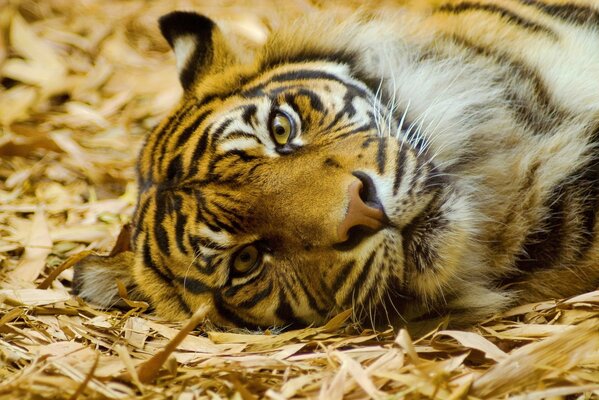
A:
<point x="37" y="249"/>
<point x="35" y="297"/>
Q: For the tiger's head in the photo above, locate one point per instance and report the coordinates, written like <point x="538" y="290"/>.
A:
<point x="285" y="189"/>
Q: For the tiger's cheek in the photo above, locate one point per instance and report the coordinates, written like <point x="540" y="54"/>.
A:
<point x="161" y="295"/>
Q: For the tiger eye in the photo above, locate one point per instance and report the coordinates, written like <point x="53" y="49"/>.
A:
<point x="246" y="260"/>
<point x="281" y="128"/>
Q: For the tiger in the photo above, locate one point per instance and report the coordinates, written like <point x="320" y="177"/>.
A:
<point x="433" y="161"/>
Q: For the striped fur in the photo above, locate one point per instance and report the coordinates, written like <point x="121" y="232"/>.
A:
<point x="476" y="120"/>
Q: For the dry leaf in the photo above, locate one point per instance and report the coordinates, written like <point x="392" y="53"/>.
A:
<point x="475" y="341"/>
<point x="37" y="249"/>
<point x="136" y="332"/>
<point x="40" y="66"/>
<point x="527" y="365"/>
<point x="35" y="297"/>
<point x="83" y="82"/>
<point x="14" y="105"/>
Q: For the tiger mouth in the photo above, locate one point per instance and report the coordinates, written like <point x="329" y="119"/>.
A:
<point x="418" y="223"/>
<point x="393" y="302"/>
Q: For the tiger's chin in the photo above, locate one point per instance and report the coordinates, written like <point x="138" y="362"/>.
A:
<point x="435" y="276"/>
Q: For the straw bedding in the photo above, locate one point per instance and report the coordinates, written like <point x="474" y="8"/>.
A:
<point x="80" y="84"/>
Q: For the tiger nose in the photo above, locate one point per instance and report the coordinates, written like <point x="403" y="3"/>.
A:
<point x="364" y="209"/>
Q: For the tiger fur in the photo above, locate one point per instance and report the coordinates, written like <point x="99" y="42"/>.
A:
<point x="472" y="125"/>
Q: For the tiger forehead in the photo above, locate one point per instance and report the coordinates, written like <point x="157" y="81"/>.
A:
<point x="203" y="129"/>
<point x="242" y="82"/>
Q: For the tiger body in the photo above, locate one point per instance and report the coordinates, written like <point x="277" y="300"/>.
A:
<point x="474" y="126"/>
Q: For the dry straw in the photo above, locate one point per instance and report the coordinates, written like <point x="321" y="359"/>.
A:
<point x="81" y="83"/>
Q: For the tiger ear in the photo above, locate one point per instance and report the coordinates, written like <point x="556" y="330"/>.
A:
<point x="197" y="42"/>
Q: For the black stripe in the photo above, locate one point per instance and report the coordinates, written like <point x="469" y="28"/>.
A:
<point x="573" y="202"/>
<point x="207" y="243"/>
<point x="249" y="113"/>
<point x="182" y="303"/>
<point x="348" y="100"/>
<point x="190" y="129"/>
<point x="228" y="314"/>
<point x="331" y="162"/>
<point x="323" y="287"/>
<point x="315" y="101"/>
<point x="413" y="240"/>
<point x="232" y="179"/>
<point x="167" y="280"/>
<point x="399" y="169"/>
<point x="348" y="109"/>
<point x="173" y="122"/>
<point x="284" y="310"/>
<point x="381" y="156"/>
<point x="229" y="226"/>
<point x="193" y="285"/>
<point x="149" y="262"/>
<point x="331" y="130"/>
<point x="288" y="287"/>
<point x="505" y="13"/>
<point x="242" y="135"/>
<point x="300" y="75"/>
<point x="574" y="13"/>
<point x="174" y="170"/>
<point x="311" y="300"/>
<point x="414" y="137"/>
<point x="542" y="248"/>
<point x="416" y="174"/>
<point x="257" y="298"/>
<point x="161" y="133"/>
<point x="359" y="283"/>
<point x="214" y="224"/>
<point x="236" y="153"/>
<point x="140" y="215"/>
<point x="199" y="150"/>
<point x="227" y="196"/>
<point x="211" y="226"/>
<point x="342" y="276"/>
<point x="366" y="143"/>
<point x="207" y="264"/>
<point x="160" y="214"/>
<point x="540" y="115"/>
<point x="279" y="58"/>
<point x="339" y="57"/>
<point x="160" y="149"/>
<point x="250" y="173"/>
<point x="202" y="214"/>
<point x="340" y="114"/>
<point x="218" y="132"/>
<point x="233" y="290"/>
<point x="232" y="219"/>
<point x="305" y="74"/>
<point x="180" y="223"/>
<point x="367" y="127"/>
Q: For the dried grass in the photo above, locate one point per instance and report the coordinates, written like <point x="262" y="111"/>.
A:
<point x="82" y="82"/>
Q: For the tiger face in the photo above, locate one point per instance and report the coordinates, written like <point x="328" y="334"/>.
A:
<point x="284" y="190"/>
<point x="279" y="194"/>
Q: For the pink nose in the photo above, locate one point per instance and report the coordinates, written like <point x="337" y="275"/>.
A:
<point x="359" y="213"/>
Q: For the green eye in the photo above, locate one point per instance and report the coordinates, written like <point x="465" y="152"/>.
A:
<point x="281" y="128"/>
<point x="246" y="260"/>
